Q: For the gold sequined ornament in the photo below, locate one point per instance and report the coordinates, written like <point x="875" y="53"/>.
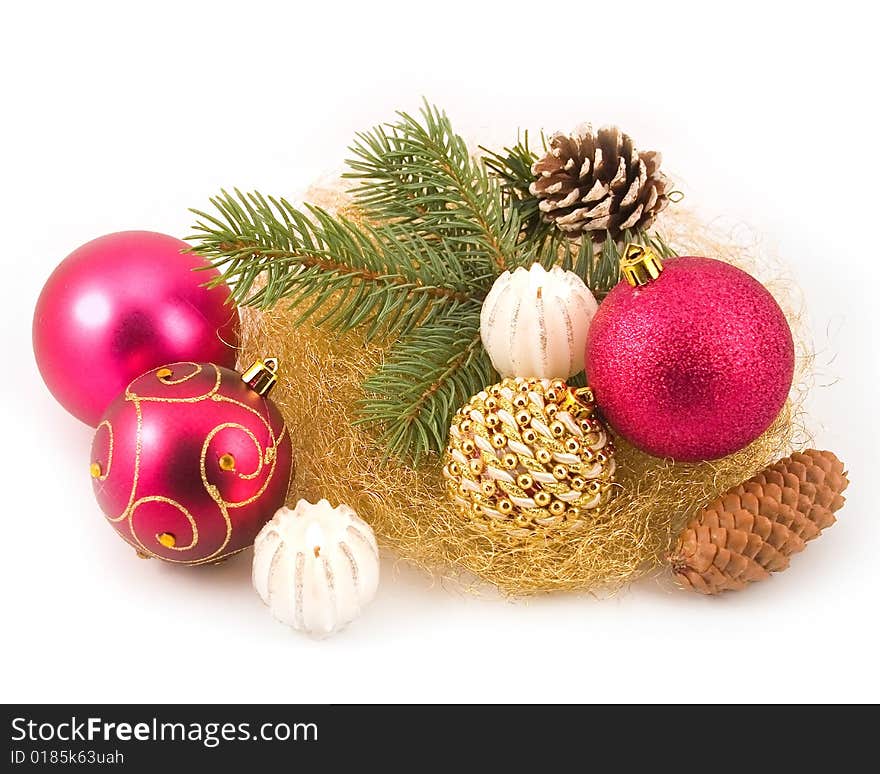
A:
<point x="529" y="455"/>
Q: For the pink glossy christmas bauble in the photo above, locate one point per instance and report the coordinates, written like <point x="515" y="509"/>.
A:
<point x="693" y="365"/>
<point x="123" y="304"/>
<point x="189" y="462"/>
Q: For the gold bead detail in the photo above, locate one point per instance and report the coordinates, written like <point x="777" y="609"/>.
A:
<point x="476" y="466"/>
<point x="499" y="441"/>
<point x="467" y="446"/>
<point x="558" y="385"/>
<point x="505" y="506"/>
<point x="492" y="420"/>
<point x="520" y="401"/>
<point x="164" y="373"/>
<point x="578" y="483"/>
<point x="524" y="481"/>
<point x="465" y="426"/>
<point x="95" y="470"/>
<point x="572" y="446"/>
<point x="491" y="403"/>
<point x="454" y="468"/>
<point x="488" y="487"/>
<point x="509" y="460"/>
<point x="550" y="410"/>
<point x="542" y="498"/>
<point x="543" y="456"/>
<point x="226" y="462"/>
<point x="557" y="507"/>
<point x="167" y="539"/>
<point x="552" y="395"/>
<point x="557" y="428"/>
<point x="601" y="458"/>
<point x="595" y="487"/>
<point x="529" y="435"/>
<point x="523" y="417"/>
<point x="560" y="472"/>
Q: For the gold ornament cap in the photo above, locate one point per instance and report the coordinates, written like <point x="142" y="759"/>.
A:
<point x="640" y="265"/>
<point x="577" y="402"/>
<point x="262" y="376"/>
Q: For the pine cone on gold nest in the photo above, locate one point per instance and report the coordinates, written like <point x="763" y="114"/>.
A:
<point x="753" y="529"/>
<point x="598" y="182"/>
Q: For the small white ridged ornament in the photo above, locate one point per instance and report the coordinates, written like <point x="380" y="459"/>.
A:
<point x="316" y="566"/>
<point x="534" y="323"/>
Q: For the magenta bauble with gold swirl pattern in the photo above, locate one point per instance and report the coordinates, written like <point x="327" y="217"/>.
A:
<point x="190" y="461"/>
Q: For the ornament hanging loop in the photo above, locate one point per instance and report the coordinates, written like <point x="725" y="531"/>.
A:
<point x="640" y="265"/>
<point x="262" y="376"/>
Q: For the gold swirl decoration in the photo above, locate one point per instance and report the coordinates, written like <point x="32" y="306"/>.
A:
<point x="98" y="471"/>
<point x="267" y="461"/>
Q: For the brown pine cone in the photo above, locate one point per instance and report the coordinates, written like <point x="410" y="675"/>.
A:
<point x="753" y="529"/>
<point x="598" y="183"/>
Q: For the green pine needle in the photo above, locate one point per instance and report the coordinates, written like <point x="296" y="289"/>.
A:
<point x="423" y="380"/>
<point x="598" y="266"/>
<point x="420" y="173"/>
<point x="513" y="167"/>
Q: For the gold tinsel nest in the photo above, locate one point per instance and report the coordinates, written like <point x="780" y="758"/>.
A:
<point x="408" y="509"/>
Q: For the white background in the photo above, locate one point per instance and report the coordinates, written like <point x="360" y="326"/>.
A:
<point x="123" y="115"/>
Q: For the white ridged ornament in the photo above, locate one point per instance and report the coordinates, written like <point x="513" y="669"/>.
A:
<point x="534" y="323"/>
<point x="316" y="566"/>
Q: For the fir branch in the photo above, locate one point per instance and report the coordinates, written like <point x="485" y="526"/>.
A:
<point x="381" y="275"/>
<point x="425" y="378"/>
<point x="513" y="166"/>
<point x="657" y="243"/>
<point x="421" y="173"/>
<point x="599" y="268"/>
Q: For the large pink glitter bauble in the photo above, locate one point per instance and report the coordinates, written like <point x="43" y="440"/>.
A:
<point x="694" y="365"/>
<point x="123" y="304"/>
<point x="189" y="462"/>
